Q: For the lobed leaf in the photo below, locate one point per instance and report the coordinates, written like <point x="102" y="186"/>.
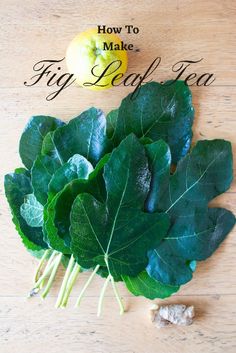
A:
<point x="196" y="232"/>
<point x="117" y="234"/>
<point x="200" y="176"/>
<point x="98" y="237"/>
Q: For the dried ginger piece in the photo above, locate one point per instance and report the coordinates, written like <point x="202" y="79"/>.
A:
<point x="176" y="314"/>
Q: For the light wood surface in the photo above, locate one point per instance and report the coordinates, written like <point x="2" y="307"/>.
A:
<point x="175" y="30"/>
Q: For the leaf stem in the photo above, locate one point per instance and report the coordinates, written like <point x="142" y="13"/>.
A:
<point x="65" y="281"/>
<point x="40" y="265"/>
<point x="118" y="298"/>
<point x="54" y="253"/>
<point x="74" y="274"/>
<point x="45" y="274"/>
<point x="52" y="276"/>
<point x="101" y="297"/>
<point x="77" y="304"/>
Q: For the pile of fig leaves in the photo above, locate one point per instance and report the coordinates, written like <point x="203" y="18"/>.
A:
<point x="124" y="196"/>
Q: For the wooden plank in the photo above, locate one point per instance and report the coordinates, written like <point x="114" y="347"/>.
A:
<point x="40" y="327"/>
<point x="210" y="102"/>
<point x="184" y="36"/>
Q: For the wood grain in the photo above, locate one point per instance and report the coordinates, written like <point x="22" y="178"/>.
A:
<point x="54" y="331"/>
<point x="175" y="30"/>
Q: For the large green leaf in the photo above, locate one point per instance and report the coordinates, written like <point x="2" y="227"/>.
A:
<point x="77" y="167"/>
<point x="117" y="234"/>
<point x="197" y="236"/>
<point x="203" y="174"/>
<point x="33" y="135"/>
<point x="43" y="169"/>
<point x="158" y="111"/>
<point x="32" y="211"/>
<point x="57" y="212"/>
<point x="148" y="287"/>
<point x="192" y="237"/>
<point x="17" y="186"/>
<point x="196" y="232"/>
<point x="100" y="237"/>
<point x="85" y="135"/>
<point x="159" y="158"/>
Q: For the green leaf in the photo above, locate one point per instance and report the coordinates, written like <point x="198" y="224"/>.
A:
<point x="159" y="158"/>
<point x="193" y="237"/>
<point x="203" y="174"/>
<point x="42" y="171"/>
<point x="17" y="186"/>
<point x="32" y="211"/>
<point x="99" y="237"/>
<point x="84" y="135"/>
<point x="111" y="122"/>
<point x="77" y="167"/>
<point x="101" y="233"/>
<point x="197" y="236"/>
<point x="33" y="135"/>
<point x="166" y="266"/>
<point x="159" y="111"/>
<point x="148" y="287"/>
<point x="127" y="176"/>
<point x="57" y="212"/>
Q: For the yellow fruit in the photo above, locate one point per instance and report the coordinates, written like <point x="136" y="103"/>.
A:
<point x="87" y="50"/>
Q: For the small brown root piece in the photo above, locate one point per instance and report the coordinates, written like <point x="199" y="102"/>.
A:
<point x="176" y="314"/>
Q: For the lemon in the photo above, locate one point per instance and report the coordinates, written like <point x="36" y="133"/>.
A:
<point x="86" y="53"/>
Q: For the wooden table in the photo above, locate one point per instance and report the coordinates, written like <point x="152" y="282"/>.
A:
<point x="175" y="30"/>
